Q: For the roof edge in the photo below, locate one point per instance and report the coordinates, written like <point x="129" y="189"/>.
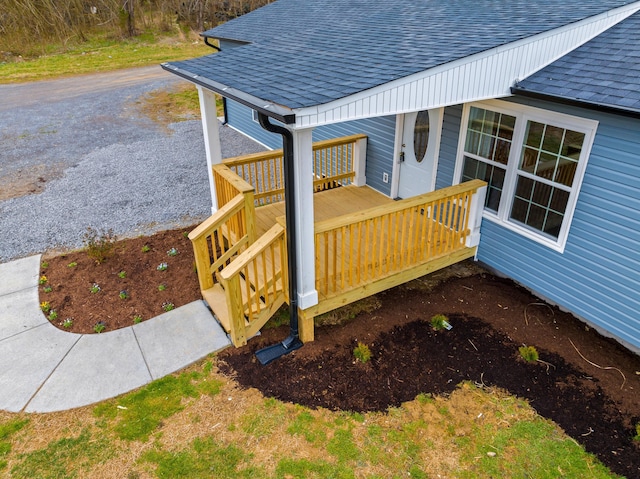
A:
<point x="602" y="107"/>
<point x="272" y="110"/>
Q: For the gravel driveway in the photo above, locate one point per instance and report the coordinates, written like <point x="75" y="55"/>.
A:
<point x="76" y="153"/>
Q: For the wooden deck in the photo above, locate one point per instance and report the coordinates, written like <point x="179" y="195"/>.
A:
<point x="327" y="205"/>
<point x="364" y="242"/>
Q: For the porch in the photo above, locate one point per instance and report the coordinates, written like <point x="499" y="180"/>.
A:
<point x="363" y="241"/>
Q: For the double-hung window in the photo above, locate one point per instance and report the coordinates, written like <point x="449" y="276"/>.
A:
<point x="533" y="162"/>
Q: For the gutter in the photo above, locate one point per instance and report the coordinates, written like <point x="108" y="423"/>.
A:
<point x="281" y="113"/>
<point x="602" y="107"/>
<point x="292" y="342"/>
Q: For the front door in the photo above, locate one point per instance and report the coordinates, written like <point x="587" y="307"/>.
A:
<point x="419" y="152"/>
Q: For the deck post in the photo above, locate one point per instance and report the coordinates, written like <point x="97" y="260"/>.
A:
<point x="360" y="162"/>
<point x="210" y="126"/>
<point x="475" y="216"/>
<point x="304" y="220"/>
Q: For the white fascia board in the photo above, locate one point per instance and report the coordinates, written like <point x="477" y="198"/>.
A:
<point x="485" y="75"/>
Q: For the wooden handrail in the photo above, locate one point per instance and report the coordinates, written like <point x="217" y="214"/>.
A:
<point x="333" y="165"/>
<point x="255" y="284"/>
<point x="381" y="210"/>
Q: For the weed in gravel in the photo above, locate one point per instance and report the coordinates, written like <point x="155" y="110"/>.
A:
<point x="99" y="244"/>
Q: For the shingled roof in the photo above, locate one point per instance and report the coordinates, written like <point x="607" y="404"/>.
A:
<point x="304" y="53"/>
<point x="603" y="73"/>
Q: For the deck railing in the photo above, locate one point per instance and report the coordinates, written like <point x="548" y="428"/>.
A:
<point x="229" y="231"/>
<point x="334" y="163"/>
<point x="256" y="284"/>
<point x="358" y="249"/>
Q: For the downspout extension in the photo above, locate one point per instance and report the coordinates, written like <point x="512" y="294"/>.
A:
<point x="292" y="342"/>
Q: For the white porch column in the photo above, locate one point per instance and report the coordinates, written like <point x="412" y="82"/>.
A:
<point x="475" y="216"/>
<point x="303" y="193"/>
<point x="210" y="127"/>
<point x="360" y="162"/>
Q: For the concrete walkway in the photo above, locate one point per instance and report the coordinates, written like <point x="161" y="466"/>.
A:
<point x="45" y="369"/>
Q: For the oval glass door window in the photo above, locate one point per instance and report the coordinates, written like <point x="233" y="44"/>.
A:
<point x="421" y="135"/>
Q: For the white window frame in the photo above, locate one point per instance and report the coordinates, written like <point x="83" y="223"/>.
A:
<point x="524" y="113"/>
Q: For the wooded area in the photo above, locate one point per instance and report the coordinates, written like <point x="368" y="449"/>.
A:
<point x="24" y="23"/>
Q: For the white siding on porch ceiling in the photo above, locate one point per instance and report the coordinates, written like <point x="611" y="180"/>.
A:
<point x="489" y="74"/>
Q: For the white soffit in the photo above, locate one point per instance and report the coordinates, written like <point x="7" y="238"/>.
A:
<point x="489" y="74"/>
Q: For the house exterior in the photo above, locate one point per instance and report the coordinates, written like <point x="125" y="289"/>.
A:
<point x="541" y="100"/>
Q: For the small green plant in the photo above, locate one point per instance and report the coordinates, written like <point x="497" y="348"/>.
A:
<point x="53" y="315"/>
<point x="362" y="353"/>
<point x="528" y="353"/>
<point x="637" y="436"/>
<point x="173" y="252"/>
<point x="47" y="289"/>
<point x="146" y="248"/>
<point x="67" y="323"/>
<point x="95" y="288"/>
<point x="122" y="274"/>
<point x="162" y="287"/>
<point x="99" y="244"/>
<point x="137" y="319"/>
<point x="44" y="265"/>
<point x="99" y="327"/>
<point x="162" y="266"/>
<point x="124" y="294"/>
<point x="440" y="322"/>
<point x="168" y="306"/>
<point x="43" y="279"/>
<point x="45" y="306"/>
<point x="73" y="264"/>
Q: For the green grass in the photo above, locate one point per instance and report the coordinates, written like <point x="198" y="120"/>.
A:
<point x="64" y="458"/>
<point x="137" y="415"/>
<point x="531" y="449"/>
<point x="8" y="429"/>
<point x="204" y="458"/>
<point x="100" y="54"/>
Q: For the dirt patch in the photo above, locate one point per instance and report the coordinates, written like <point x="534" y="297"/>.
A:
<point x="28" y="181"/>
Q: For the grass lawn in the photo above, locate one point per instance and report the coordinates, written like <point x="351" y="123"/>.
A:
<point x="199" y="424"/>
<point x="102" y="54"/>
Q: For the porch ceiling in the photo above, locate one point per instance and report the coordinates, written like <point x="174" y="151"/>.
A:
<point x="328" y="61"/>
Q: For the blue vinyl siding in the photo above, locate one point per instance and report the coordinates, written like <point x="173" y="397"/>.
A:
<point x="598" y="275"/>
<point x="448" y="146"/>
<point x="240" y="118"/>
<point x="380" y="132"/>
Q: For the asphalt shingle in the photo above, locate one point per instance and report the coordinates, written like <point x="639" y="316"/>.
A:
<point x="604" y="71"/>
<point x="354" y="45"/>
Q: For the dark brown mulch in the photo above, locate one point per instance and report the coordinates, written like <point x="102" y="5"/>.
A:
<point x="489" y="325"/>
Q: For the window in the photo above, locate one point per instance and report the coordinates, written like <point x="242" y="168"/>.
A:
<point x="533" y="162"/>
<point x="421" y="135"/>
